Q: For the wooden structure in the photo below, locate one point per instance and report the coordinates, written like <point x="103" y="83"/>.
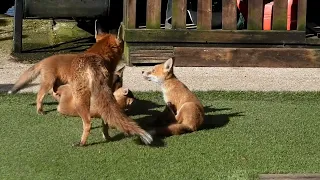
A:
<point x="219" y="47"/>
<point x="42" y="9"/>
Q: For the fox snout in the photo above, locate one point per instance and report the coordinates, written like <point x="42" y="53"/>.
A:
<point x="146" y="75"/>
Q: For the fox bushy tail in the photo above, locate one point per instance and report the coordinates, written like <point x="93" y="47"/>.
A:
<point x="27" y="77"/>
<point x="111" y="112"/>
<point x="115" y="117"/>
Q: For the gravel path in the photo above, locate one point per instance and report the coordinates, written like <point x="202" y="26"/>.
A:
<point x="198" y="78"/>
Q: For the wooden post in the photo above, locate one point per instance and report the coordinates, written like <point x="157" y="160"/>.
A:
<point x="179" y="13"/>
<point x="153" y="14"/>
<point x="129" y="19"/>
<point x="204" y="14"/>
<point x="302" y="15"/>
<point x="18" y="19"/>
<point x="129" y="13"/>
<point x="255" y="14"/>
<point x="279" y="21"/>
<point x="229" y="14"/>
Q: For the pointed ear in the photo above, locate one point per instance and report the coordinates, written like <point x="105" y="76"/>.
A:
<point x="97" y="28"/>
<point x="120" y="71"/>
<point x="120" y="32"/>
<point x="168" y="65"/>
<point x="125" y="91"/>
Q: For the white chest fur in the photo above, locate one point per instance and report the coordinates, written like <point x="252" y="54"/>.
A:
<point x="164" y="93"/>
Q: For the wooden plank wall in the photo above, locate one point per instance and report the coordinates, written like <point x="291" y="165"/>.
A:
<point x="155" y="45"/>
<point x="255" y="14"/>
<point x="279" y="21"/>
<point x="204" y="14"/>
<point x="229" y="14"/>
<point x="179" y="10"/>
<point x="153" y="14"/>
<point x="302" y="15"/>
<point x="129" y="13"/>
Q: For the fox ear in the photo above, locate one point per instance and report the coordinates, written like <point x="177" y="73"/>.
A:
<point x="168" y="65"/>
<point x="125" y="91"/>
<point x="120" y="32"/>
<point x="97" y="28"/>
<point x="120" y="71"/>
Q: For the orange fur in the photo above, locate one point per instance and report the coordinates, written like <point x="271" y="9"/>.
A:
<point x="184" y="110"/>
<point x="90" y="76"/>
<point x="66" y="106"/>
<point x="56" y="69"/>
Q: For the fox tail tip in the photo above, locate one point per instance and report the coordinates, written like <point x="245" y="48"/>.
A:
<point x="146" y="138"/>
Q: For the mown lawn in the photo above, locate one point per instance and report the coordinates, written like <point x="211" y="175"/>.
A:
<point x="245" y="134"/>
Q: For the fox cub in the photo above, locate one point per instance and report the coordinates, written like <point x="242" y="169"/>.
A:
<point x="184" y="111"/>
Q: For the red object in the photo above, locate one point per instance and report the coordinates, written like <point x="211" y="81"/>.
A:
<point x="267" y="16"/>
<point x="291" y="15"/>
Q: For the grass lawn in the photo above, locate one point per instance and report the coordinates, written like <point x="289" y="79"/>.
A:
<point x="245" y="134"/>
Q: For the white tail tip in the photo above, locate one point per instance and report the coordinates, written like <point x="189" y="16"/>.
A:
<point x="146" y="138"/>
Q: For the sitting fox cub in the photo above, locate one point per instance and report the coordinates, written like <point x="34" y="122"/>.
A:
<point x="186" y="110"/>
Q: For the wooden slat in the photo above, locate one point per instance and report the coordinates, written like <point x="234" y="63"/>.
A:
<point x="17" y="35"/>
<point x="302" y="15"/>
<point x="179" y="12"/>
<point x="130" y="8"/>
<point x="215" y="36"/>
<point x="153" y="14"/>
<point x="255" y="14"/>
<point x="229" y="14"/>
<point x="289" y="176"/>
<point x="247" y="57"/>
<point x="204" y="16"/>
<point x="279" y="21"/>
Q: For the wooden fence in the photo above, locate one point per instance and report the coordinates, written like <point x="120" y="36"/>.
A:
<point x="228" y="46"/>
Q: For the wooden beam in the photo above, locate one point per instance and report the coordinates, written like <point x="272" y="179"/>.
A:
<point x="179" y="14"/>
<point x="204" y="17"/>
<point x="279" y="21"/>
<point x="247" y="57"/>
<point x="150" y="53"/>
<point x="129" y="13"/>
<point x="302" y="15"/>
<point x="18" y="20"/>
<point x="215" y="36"/>
<point x="255" y="14"/>
<point x="229" y="14"/>
<point x="153" y="14"/>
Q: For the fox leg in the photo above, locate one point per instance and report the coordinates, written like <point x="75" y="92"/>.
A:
<point x="105" y="130"/>
<point x="167" y="116"/>
<point x="45" y="86"/>
<point x="82" y="104"/>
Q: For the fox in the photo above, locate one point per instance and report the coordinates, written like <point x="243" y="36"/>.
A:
<point x="54" y="70"/>
<point x="90" y="76"/>
<point x="66" y="106"/>
<point x="184" y="111"/>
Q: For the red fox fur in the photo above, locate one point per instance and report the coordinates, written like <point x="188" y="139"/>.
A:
<point x="184" y="108"/>
<point x="90" y="76"/>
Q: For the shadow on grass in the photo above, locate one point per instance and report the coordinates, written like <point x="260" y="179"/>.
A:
<point x="217" y="120"/>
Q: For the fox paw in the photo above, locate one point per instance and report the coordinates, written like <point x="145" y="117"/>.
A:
<point x="78" y="144"/>
<point x="40" y="111"/>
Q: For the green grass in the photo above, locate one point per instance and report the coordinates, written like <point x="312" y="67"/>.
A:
<point x="255" y="133"/>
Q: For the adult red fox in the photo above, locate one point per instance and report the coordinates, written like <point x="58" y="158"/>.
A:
<point x="90" y="76"/>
